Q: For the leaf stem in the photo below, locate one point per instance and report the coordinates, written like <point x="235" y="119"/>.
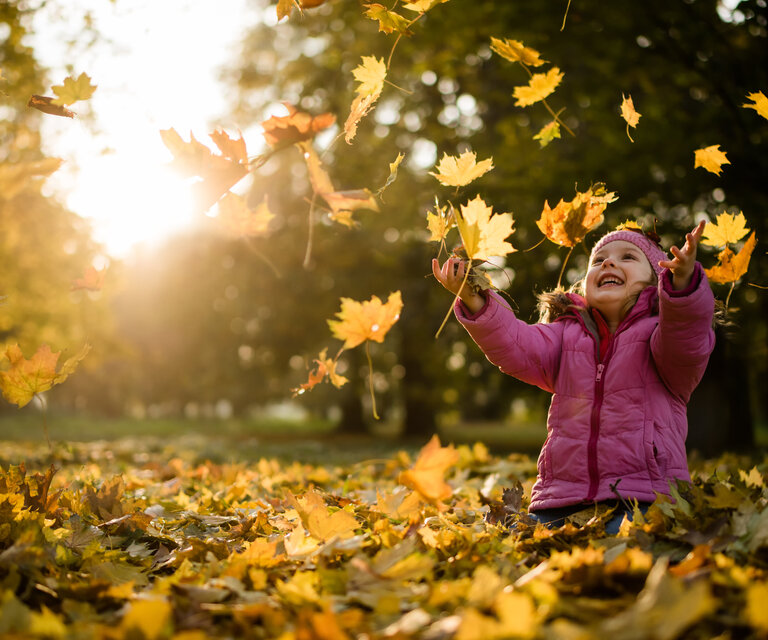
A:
<point x="565" y="15"/>
<point x="311" y="231"/>
<point x="370" y="378"/>
<point x="565" y="262"/>
<point x="267" y="261"/>
<point x="461" y="288"/>
<point x="728" y="297"/>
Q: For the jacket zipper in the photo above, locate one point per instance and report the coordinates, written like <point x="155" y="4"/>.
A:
<point x="594" y="432"/>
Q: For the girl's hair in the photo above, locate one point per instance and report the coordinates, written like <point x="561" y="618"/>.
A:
<point x="555" y="303"/>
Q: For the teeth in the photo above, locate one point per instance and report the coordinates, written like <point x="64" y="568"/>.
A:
<point x="610" y="281"/>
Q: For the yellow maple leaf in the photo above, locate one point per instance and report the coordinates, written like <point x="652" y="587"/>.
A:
<point x="318" y="520"/>
<point x="366" y="320"/>
<point x="344" y="203"/>
<point x="482" y="233"/>
<point x="389" y="21"/>
<point x="427" y="476"/>
<point x="370" y="74"/>
<point x="629" y="114"/>
<point x="538" y="88"/>
<point x="150" y="618"/>
<point x="393" y="168"/>
<point x="760" y="103"/>
<point x="710" y="158"/>
<point x="457" y="172"/>
<point x="548" y="133"/>
<point x="516" y="51"/>
<point x="569" y="222"/>
<point x="728" y="229"/>
<point x="25" y="378"/>
<point x="730" y="266"/>
<point x="73" y="90"/>
<point x="628" y="224"/>
<point x="238" y="218"/>
<point x="440" y="222"/>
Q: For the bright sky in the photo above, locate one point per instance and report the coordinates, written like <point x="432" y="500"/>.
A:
<point x="156" y="67"/>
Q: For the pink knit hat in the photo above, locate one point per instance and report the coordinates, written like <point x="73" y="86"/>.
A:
<point x="649" y="247"/>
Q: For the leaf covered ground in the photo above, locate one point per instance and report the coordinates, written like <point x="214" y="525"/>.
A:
<point x="113" y="540"/>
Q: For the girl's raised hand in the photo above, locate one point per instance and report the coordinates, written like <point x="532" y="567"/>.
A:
<point x="684" y="260"/>
<point x="451" y="276"/>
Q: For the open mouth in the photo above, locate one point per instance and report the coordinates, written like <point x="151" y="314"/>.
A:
<point x="609" y="281"/>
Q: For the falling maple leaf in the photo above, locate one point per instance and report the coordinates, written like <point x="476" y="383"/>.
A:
<point x="370" y="74"/>
<point x="516" y="51"/>
<point x="73" y="90"/>
<point x="46" y="105"/>
<point x="367" y="320"/>
<point x="440" y="222"/>
<point x="539" y="87"/>
<point x="457" y="172"/>
<point x="389" y="21"/>
<point x="422" y="6"/>
<point x="731" y="266"/>
<point x="297" y="126"/>
<point x="393" y="168"/>
<point x="344" y="203"/>
<point x="569" y="222"/>
<point x="548" y="133"/>
<point x="285" y="7"/>
<point x="427" y="476"/>
<point x="326" y="367"/>
<point x="629" y="114"/>
<point x="238" y="218"/>
<point x="710" y="158"/>
<point x="728" y="229"/>
<point x="26" y="378"/>
<point x="628" y="224"/>
<point x="760" y="103"/>
<point x="92" y="280"/>
<point x="217" y="173"/>
<point x="484" y="234"/>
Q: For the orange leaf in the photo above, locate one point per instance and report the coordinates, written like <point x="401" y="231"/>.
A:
<point x="730" y="267"/>
<point x="46" y="105"/>
<point x="427" y="476"/>
<point x="569" y="222"/>
<point x="367" y="320"/>
<point x="318" y="520"/>
<point x="25" y="378"/>
<point x="92" y="280"/>
<point x="710" y="158"/>
<point x="217" y="173"/>
<point x="325" y="367"/>
<point x="297" y="126"/>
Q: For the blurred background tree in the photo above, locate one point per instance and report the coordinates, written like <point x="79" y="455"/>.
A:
<point x="44" y="247"/>
<point x="215" y="322"/>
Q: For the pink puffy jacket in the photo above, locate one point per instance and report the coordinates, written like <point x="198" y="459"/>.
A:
<point x="617" y="421"/>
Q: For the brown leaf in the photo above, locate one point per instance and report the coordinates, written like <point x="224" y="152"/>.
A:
<point x="46" y="105"/>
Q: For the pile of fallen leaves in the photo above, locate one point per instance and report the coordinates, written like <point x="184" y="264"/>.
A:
<point x="111" y="542"/>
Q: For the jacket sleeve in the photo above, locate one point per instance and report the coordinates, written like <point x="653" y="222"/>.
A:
<point x="684" y="338"/>
<point x="530" y="353"/>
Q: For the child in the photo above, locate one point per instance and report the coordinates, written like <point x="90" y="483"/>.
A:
<point x="621" y="362"/>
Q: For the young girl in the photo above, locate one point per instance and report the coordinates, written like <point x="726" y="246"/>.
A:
<point x="621" y="362"/>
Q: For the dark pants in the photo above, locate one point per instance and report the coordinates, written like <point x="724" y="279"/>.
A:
<point x="554" y="518"/>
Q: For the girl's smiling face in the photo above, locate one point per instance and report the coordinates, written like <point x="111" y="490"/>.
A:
<point x="618" y="273"/>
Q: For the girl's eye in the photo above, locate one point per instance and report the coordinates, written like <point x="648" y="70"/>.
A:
<point x="631" y="256"/>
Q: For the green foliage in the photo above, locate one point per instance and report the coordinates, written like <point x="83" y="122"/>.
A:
<point x="129" y="539"/>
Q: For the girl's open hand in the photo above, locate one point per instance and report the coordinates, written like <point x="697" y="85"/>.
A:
<point x="451" y="276"/>
<point x="684" y="260"/>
